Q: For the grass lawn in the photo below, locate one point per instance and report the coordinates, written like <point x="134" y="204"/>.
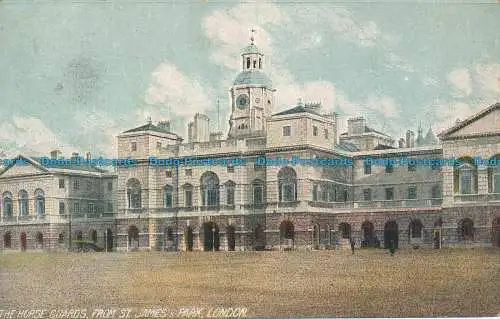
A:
<point x="459" y="282"/>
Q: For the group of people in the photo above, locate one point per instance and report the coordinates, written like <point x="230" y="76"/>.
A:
<point x="392" y="246"/>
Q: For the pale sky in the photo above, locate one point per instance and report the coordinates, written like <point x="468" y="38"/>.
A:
<point x="75" y="74"/>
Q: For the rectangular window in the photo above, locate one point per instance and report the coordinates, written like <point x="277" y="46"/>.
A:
<point x="61" y="183"/>
<point x="288" y="193"/>
<point x="158" y="145"/>
<point x="258" y="194"/>
<point x="368" y="169"/>
<point x="324" y="194"/>
<point x="389" y="193"/>
<point x="110" y="186"/>
<point x="287" y="130"/>
<point x="133" y="146"/>
<point x="315" y="131"/>
<point x="188" y="198"/>
<point x="466" y="182"/>
<point x="76" y="184"/>
<point x="230" y="169"/>
<point x="315" y="192"/>
<point x="76" y="208"/>
<point x="326" y="133"/>
<point x="412" y="192"/>
<point x="230" y="196"/>
<point x="189" y="172"/>
<point x="496" y="183"/>
<point x="412" y="167"/>
<point x="61" y="208"/>
<point x="110" y="207"/>
<point x="90" y="208"/>
<point x="389" y="168"/>
<point x="168" y="174"/>
<point x="367" y="194"/>
<point x="168" y="200"/>
<point x="258" y="167"/>
<point x="88" y="186"/>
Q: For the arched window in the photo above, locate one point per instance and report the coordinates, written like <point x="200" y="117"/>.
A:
<point x="23" y="203"/>
<point x="40" y="202"/>
<point x="258" y="191"/>
<point x="7" y="204"/>
<point x="188" y="195"/>
<point x="167" y="196"/>
<point x="210" y="189"/>
<point x="287" y="185"/>
<point x="260" y="63"/>
<point x="248" y="63"/>
<point x="134" y="193"/>
<point x="229" y="187"/>
<point x="254" y="64"/>
<point x="466" y="181"/>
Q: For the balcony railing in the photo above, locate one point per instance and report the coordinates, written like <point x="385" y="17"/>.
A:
<point x="407" y="203"/>
<point x="469" y="198"/>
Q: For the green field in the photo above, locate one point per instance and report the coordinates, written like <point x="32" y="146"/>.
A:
<point x="328" y="283"/>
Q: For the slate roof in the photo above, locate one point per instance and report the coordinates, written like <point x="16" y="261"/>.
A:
<point x="383" y="147"/>
<point x="348" y="147"/>
<point x="297" y="109"/>
<point x="147" y="127"/>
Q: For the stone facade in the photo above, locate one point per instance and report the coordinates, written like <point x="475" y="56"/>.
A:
<point x="284" y="184"/>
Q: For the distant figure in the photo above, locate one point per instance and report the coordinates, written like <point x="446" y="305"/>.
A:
<point x="392" y="248"/>
<point x="352" y="245"/>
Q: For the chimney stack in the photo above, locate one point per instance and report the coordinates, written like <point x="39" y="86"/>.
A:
<point x="74" y="155"/>
<point x="88" y="156"/>
<point x="165" y="125"/>
<point x="55" y="154"/>
<point x="402" y="143"/>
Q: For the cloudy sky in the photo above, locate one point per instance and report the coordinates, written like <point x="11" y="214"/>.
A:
<point x="75" y="74"/>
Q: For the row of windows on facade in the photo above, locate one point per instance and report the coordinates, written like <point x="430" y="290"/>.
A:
<point x="287" y="131"/>
<point x="40" y="207"/>
<point x="76" y="184"/>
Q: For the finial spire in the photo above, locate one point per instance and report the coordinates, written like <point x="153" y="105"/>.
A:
<point x="149" y="119"/>
<point x="299" y="101"/>
<point x="252" y="37"/>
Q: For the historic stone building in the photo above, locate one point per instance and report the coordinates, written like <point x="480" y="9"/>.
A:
<point x="45" y="199"/>
<point x="278" y="181"/>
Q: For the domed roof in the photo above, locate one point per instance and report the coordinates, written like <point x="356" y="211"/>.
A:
<point x="251" y="48"/>
<point x="253" y="77"/>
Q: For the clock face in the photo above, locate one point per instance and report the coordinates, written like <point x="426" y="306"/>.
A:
<point x="242" y="101"/>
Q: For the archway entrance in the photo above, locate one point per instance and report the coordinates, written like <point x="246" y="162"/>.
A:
<point x="39" y="240"/>
<point x="211" y="240"/>
<point x="368" y="231"/>
<point x="287" y="233"/>
<point x="133" y="237"/>
<point x="260" y="239"/>
<point x="391" y="235"/>
<point x="496" y="231"/>
<point x="231" y="238"/>
<point x="345" y="230"/>
<point x="7" y="240"/>
<point x="93" y="236"/>
<point x="24" y="241"/>
<point x="189" y="239"/>
<point x="466" y="230"/>
<point x="109" y="240"/>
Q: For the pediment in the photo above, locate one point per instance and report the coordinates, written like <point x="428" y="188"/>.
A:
<point x="22" y="167"/>
<point x="486" y="122"/>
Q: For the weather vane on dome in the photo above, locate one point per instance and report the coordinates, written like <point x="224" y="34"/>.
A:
<point x="252" y="37"/>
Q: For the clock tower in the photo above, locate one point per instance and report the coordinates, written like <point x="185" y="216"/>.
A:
<point x="252" y="95"/>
